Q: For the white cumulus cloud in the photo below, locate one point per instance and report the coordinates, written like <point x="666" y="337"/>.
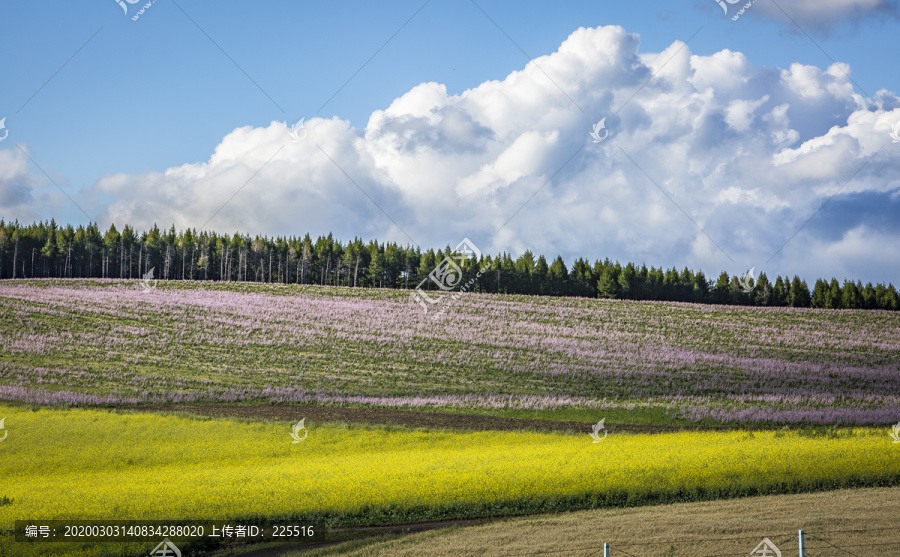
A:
<point x="747" y="153"/>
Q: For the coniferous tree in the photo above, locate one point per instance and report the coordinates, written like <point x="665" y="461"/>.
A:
<point x="584" y="283"/>
<point x="608" y="283"/>
<point x="524" y="272"/>
<point x="4" y="244"/>
<point x="15" y="241"/>
<point x="799" y="297"/>
<point x="762" y="290"/>
<point x="701" y="288"/>
<point x="541" y="276"/>
<point x="833" y="295"/>
<point x="44" y="249"/>
<point x="779" y="294"/>
<point x="891" y="299"/>
<point x="628" y="281"/>
<point x="376" y="265"/>
<point x="850" y="295"/>
<point x="868" y="297"/>
<point x="111" y="245"/>
<point x="670" y="285"/>
<point x="722" y="290"/>
<point x="819" y="293"/>
<point x="559" y="277"/>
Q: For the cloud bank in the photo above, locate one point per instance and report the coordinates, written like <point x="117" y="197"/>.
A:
<point x="711" y="162"/>
<point x="823" y="16"/>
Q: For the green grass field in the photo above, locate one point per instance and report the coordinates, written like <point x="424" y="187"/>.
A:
<point x="860" y="522"/>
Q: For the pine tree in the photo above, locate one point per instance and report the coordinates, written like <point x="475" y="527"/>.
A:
<point x="559" y="277"/>
<point x="628" y="281"/>
<point x="800" y="297"/>
<point x="868" y="297"/>
<point x="778" y="296"/>
<point x="850" y="296"/>
<point x="111" y="245"/>
<point x="82" y="251"/>
<point x="584" y="283"/>
<point x="701" y="288"/>
<point x="524" y="272"/>
<point x="722" y="290"/>
<point x="608" y="283"/>
<point x="762" y="290"/>
<point x="891" y="298"/>
<point x="819" y="294"/>
<point x="4" y="244"/>
<point x="833" y="296"/>
<point x="541" y="275"/>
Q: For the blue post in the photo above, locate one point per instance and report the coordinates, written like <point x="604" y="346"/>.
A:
<point x="802" y="546"/>
<point x="606" y="550"/>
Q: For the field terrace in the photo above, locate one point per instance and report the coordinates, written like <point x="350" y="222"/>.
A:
<point x="109" y="342"/>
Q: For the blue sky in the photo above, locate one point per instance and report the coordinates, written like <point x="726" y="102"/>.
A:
<point x="108" y="106"/>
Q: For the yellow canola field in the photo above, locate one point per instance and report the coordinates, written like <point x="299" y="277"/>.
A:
<point x="94" y="464"/>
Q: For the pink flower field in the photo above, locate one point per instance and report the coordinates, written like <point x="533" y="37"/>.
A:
<point x="109" y="342"/>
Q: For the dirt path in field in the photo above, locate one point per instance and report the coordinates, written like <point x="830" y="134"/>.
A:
<point x="410" y="418"/>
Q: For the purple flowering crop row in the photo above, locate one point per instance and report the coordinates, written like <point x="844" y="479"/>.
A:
<point x="110" y="342"/>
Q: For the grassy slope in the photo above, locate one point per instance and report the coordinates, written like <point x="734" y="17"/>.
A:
<point x="190" y="339"/>
<point x="737" y="526"/>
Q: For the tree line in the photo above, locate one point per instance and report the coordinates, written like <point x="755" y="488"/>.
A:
<point x="45" y="249"/>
